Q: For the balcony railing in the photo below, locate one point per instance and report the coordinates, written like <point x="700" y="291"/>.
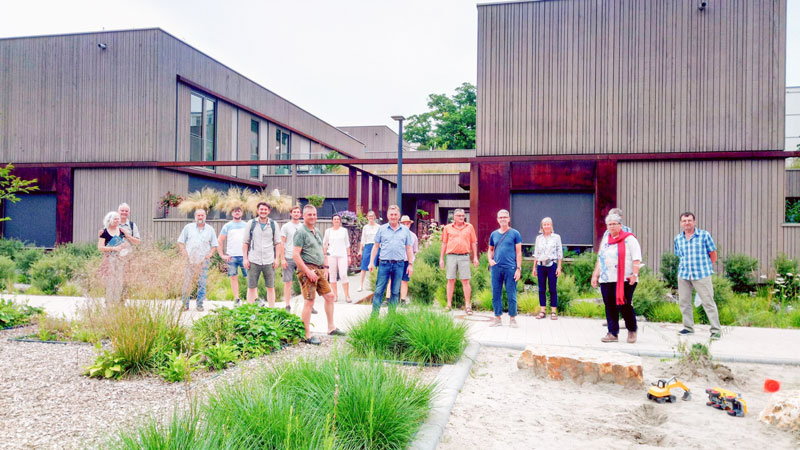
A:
<point x="305" y="168"/>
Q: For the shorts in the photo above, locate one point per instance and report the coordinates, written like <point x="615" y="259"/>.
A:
<point x="337" y="268"/>
<point x="458" y="267"/>
<point x="258" y="269"/>
<point x="366" y="252"/>
<point x="236" y="263"/>
<point x="288" y="272"/>
<point x="405" y="272"/>
<point x="309" y="288"/>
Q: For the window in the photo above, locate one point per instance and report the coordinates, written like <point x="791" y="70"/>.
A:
<point x="202" y="128"/>
<point x="254" y="147"/>
<point x="283" y="150"/>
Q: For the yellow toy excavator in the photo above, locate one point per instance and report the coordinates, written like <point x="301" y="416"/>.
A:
<point x="660" y="391"/>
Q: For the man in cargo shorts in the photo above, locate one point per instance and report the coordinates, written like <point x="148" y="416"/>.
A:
<point x="458" y="239"/>
<point x="312" y="273"/>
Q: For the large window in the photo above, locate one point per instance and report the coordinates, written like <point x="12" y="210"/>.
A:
<point x="254" y="147"/>
<point x="203" y="128"/>
<point x="283" y="150"/>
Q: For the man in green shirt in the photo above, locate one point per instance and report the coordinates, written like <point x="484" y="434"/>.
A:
<point x="312" y="273"/>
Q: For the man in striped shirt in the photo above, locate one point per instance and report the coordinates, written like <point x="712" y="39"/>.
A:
<point x="697" y="252"/>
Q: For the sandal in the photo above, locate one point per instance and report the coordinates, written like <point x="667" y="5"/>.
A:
<point x="553" y="316"/>
<point x="541" y="315"/>
<point x="469" y="311"/>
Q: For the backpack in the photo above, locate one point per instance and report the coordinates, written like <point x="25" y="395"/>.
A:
<point x="253" y="227"/>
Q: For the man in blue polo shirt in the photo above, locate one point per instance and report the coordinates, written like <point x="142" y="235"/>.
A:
<point x="395" y="243"/>
<point x="697" y="252"/>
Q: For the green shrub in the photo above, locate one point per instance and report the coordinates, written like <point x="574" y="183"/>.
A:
<point x="567" y="291"/>
<point x="424" y="282"/>
<point x="430" y="254"/>
<point x="83" y="251"/>
<point x="586" y="309"/>
<point x="13" y="314"/>
<point x="527" y="302"/>
<point x="784" y="265"/>
<point x="740" y="269"/>
<point x="8" y="272"/>
<point x="665" y="312"/>
<point x="416" y="334"/>
<point x="51" y="272"/>
<point x="179" y="366"/>
<point x="483" y="300"/>
<point x="214" y="329"/>
<point x="669" y="269"/>
<point x="794" y="318"/>
<point x="649" y="292"/>
<point x="25" y="260"/>
<point x="581" y="268"/>
<point x="252" y="329"/>
<point x="723" y="293"/>
<point x="220" y="355"/>
<point x="480" y="280"/>
<point x="10" y="248"/>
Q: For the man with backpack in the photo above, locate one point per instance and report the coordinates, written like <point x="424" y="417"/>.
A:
<point x="260" y="246"/>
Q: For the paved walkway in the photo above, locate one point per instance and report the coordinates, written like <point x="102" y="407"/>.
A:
<point x="743" y="344"/>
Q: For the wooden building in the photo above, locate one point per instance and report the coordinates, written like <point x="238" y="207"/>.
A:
<point x="88" y="114"/>
<point x="657" y="107"/>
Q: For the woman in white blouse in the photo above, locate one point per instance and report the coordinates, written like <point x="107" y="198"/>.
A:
<point x="547" y="256"/>
<point x="618" y="261"/>
<point x="336" y="244"/>
<point x="368" y="233"/>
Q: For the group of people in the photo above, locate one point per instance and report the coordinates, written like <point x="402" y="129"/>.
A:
<point x="616" y="272"/>
<point x="257" y="247"/>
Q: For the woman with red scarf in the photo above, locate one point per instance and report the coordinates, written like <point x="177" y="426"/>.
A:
<point x="617" y="272"/>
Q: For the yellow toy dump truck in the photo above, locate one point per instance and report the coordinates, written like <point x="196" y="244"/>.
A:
<point x="726" y="400"/>
<point x="660" y="391"/>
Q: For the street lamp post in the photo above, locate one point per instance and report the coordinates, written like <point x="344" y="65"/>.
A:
<point x="400" y="120"/>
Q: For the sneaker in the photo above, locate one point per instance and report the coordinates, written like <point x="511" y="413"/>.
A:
<point x="609" y="338"/>
<point x="685" y="332"/>
<point x="715" y="335"/>
<point x="288" y="308"/>
<point x="496" y="322"/>
<point x="513" y="323"/>
<point x="360" y="288"/>
<point x="631" y="337"/>
<point x="313" y="311"/>
<point x="200" y="308"/>
<point x="237" y="302"/>
<point x="313" y="340"/>
<point x="260" y="303"/>
<point x="185" y="307"/>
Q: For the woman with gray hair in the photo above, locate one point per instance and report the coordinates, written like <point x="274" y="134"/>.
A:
<point x="112" y="242"/>
<point x="547" y="256"/>
<point x="618" y="261"/>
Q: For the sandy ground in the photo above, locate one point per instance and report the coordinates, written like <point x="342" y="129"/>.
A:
<point x="46" y="402"/>
<point x="502" y="407"/>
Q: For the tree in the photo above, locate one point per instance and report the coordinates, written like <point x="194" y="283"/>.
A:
<point x="450" y="123"/>
<point x="10" y="185"/>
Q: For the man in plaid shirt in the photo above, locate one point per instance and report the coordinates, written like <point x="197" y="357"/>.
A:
<point x="697" y="252"/>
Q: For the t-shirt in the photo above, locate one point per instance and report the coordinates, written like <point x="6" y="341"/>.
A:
<point x="458" y="240"/>
<point x="368" y="233"/>
<point x="338" y="241"/>
<point x="198" y="242"/>
<point x="608" y="258"/>
<point x="234" y="236"/>
<point x="505" y="248"/>
<point x="310" y="243"/>
<point x="287" y="231"/>
<point x="112" y="240"/>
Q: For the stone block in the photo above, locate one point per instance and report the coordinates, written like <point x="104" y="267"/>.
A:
<point x="582" y="365"/>
<point x="783" y="411"/>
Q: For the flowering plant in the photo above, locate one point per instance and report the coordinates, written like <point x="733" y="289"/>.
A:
<point x="348" y="217"/>
<point x="170" y="199"/>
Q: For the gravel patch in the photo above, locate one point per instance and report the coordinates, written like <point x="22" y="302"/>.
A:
<point x="46" y="402"/>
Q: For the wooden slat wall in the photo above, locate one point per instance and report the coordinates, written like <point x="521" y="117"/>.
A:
<point x="429" y="183"/>
<point x="377" y="138"/>
<point x="64" y="99"/>
<point x="793" y="183"/>
<point x="333" y="186"/>
<point x="624" y="76"/>
<point x="739" y="202"/>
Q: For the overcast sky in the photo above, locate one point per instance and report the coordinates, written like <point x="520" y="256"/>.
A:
<point x="349" y="62"/>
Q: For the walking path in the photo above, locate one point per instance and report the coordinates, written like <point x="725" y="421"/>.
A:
<point x="740" y="344"/>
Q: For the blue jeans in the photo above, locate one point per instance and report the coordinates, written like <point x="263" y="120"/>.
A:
<point x="191" y="271"/>
<point x="547" y="277"/>
<point x="504" y="276"/>
<point x="387" y="270"/>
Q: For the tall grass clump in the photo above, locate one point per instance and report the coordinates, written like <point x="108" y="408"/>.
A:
<point x="417" y="334"/>
<point x="8" y="273"/>
<point x="567" y="291"/>
<point x="424" y="282"/>
<point x="336" y="403"/>
<point x="586" y="309"/>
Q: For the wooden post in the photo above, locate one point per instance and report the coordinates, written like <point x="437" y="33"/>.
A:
<point x="375" y="193"/>
<point x="384" y="197"/>
<point x="352" y="189"/>
<point x="364" y="192"/>
<point x="605" y="196"/>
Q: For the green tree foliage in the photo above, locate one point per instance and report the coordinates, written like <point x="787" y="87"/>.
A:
<point x="11" y="185"/>
<point x="450" y="123"/>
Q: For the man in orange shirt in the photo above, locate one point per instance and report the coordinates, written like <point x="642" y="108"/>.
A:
<point x="458" y="239"/>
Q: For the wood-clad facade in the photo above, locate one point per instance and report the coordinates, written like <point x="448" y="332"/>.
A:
<point x="621" y="76"/>
<point x="657" y="107"/>
<point x="124" y="98"/>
